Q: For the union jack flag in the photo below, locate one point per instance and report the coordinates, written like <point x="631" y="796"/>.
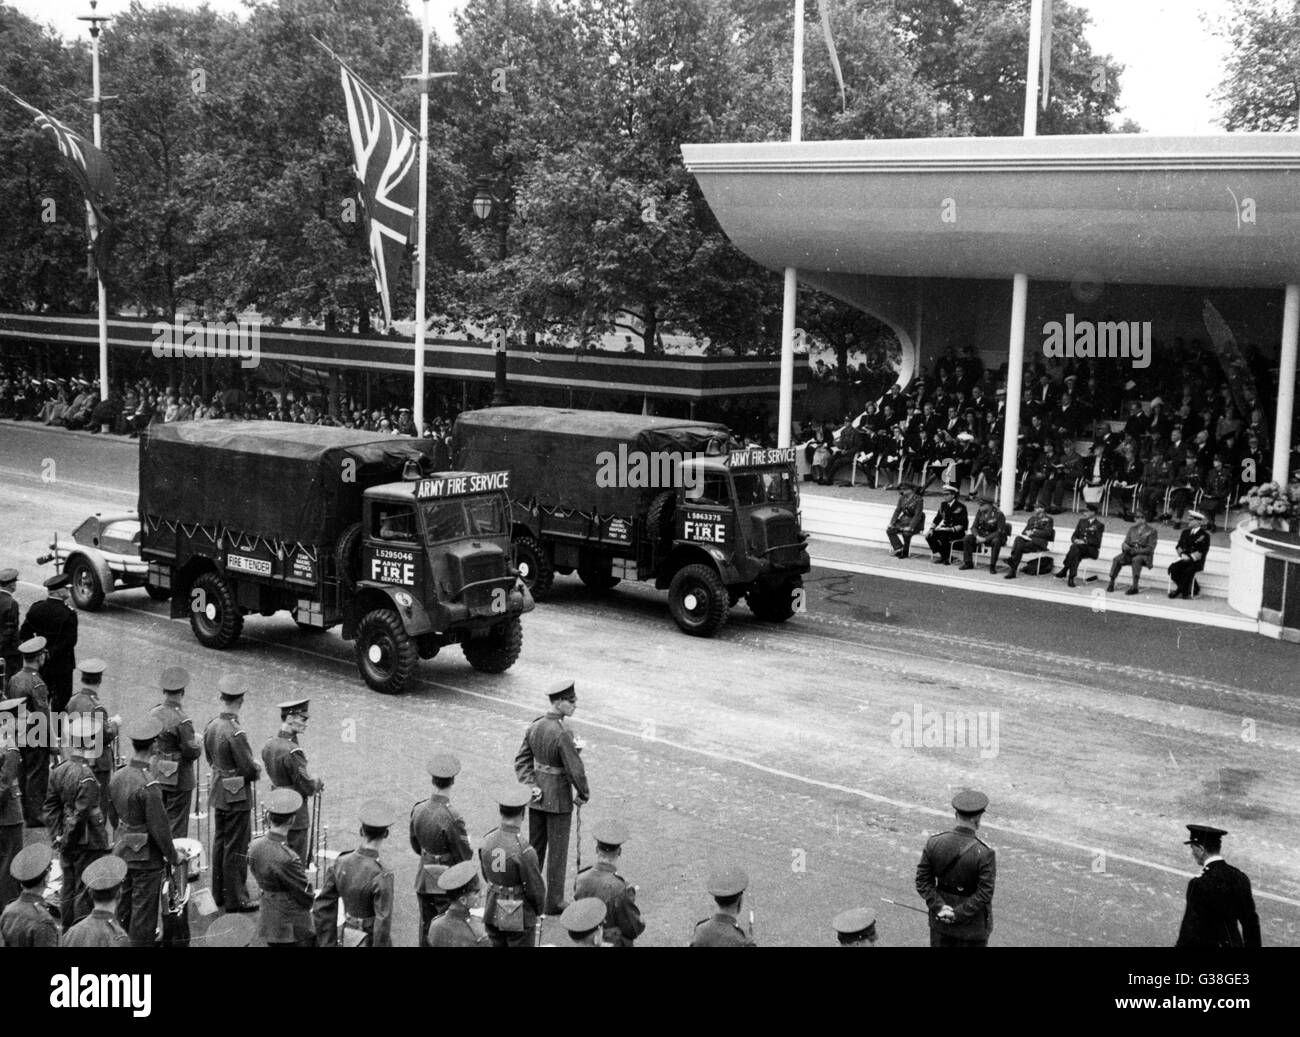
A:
<point x="386" y="147"/>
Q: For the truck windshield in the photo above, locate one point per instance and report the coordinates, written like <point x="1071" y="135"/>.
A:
<point x="463" y="517"/>
<point x="763" y="487"/>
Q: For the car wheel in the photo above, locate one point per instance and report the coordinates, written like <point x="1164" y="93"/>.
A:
<point x="86" y="590"/>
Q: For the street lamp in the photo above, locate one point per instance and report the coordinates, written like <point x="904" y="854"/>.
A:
<point x="485" y="200"/>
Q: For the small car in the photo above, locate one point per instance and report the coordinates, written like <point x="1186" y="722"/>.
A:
<point x="102" y="556"/>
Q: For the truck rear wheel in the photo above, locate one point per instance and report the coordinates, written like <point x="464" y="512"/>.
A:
<point x="214" y="615"/>
<point x="87" y="592"/>
<point x="697" y="600"/>
<point x="497" y="652"/>
<point x="596" y="576"/>
<point x="386" y="655"/>
<point x="535" y="567"/>
<point x="774" y="604"/>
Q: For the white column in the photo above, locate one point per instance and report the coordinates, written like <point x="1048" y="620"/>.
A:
<point x="99" y="274"/>
<point x="417" y="407"/>
<point x="1034" y="68"/>
<point x="785" y="399"/>
<point x="1286" y="386"/>
<point x="1015" y="376"/>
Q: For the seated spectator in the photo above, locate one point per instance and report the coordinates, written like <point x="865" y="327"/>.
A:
<point x="908" y="520"/>
<point x="1193" y="548"/>
<point x="1040" y="531"/>
<point x="1085" y="543"/>
<point x="79" y="417"/>
<point x="990" y="527"/>
<point x="985" y="468"/>
<point x="55" y="411"/>
<point x="1216" y="491"/>
<point x="1156" y="477"/>
<point x="1138" y="552"/>
<point x="171" y="409"/>
<point x="1184" y="479"/>
<point x="948" y="527"/>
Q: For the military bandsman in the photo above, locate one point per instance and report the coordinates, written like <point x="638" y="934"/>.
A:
<point x="456" y="926"/>
<point x="230" y="798"/>
<point x="438" y="834"/>
<point x="855" y="927"/>
<point x="285" y="919"/>
<point x="28" y="685"/>
<point x="727" y="888"/>
<point x="86" y="702"/>
<point x="101" y="928"/>
<point x="584" y="920"/>
<point x="178" y="751"/>
<point x="11" y="797"/>
<point x="622" y="918"/>
<point x="74" y="817"/>
<point x="365" y="886"/>
<point x="286" y="768"/>
<point x="516" y="894"/>
<point x="29" y="921"/>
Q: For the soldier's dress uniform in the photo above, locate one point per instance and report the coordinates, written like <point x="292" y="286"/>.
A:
<point x="285" y="918"/>
<point x="990" y="527"/>
<point x="28" y="685"/>
<point x="516" y="893"/>
<point x="86" y="702"/>
<point x="438" y="834"/>
<point x="230" y="799"/>
<point x="365" y="886"/>
<point x="285" y="763"/>
<point x="74" y="818"/>
<point x="1084" y="543"/>
<point x="949" y="526"/>
<point x="100" y="928"/>
<point x="29" y="920"/>
<point x="1220" y="906"/>
<point x="178" y="749"/>
<point x="907" y="520"/>
<point x="1193" y="548"/>
<point x="1138" y="551"/>
<point x="959" y="869"/>
<point x="622" y="917"/>
<point x="723" y="929"/>
<point x="11" y="802"/>
<point x="1039" y="531"/>
<point x="51" y="619"/>
<point x="455" y="926"/>
<point x="9" y="624"/>
<point x="143" y="839"/>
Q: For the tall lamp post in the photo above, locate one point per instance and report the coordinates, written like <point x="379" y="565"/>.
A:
<point x="485" y="200"/>
<point x="96" y="21"/>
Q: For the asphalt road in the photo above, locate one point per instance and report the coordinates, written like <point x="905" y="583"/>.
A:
<point x="785" y="749"/>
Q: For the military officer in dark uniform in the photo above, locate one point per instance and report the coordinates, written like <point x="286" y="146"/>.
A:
<point x="1193" y="548"/>
<point x="74" y="817"/>
<point x="1220" y="907"/>
<point x="54" y="621"/>
<point x="178" y="749"/>
<point x="9" y="624"/>
<point x="990" y="528"/>
<point x="1138" y="551"/>
<point x="1039" y="531"/>
<point x="516" y="894"/>
<point x="11" y="797"/>
<point x="233" y="772"/>
<point x="143" y="834"/>
<point x="28" y="685"/>
<point x="100" y="928"/>
<point x="948" y="527"/>
<point x="727" y="888"/>
<point x="29" y="921"/>
<point x="1084" y="543"/>
<point x="623" y="918"/>
<point x="956" y="876"/>
<point x="584" y="919"/>
<point x="548" y="762"/>
<point x="439" y="836"/>
<point x="908" y="519"/>
<point x="455" y="926"/>
<point x="286" y="768"/>
<point x="86" y="702"/>
<point x="855" y="927"/>
<point x="285" y="918"/>
<point x="364" y="884"/>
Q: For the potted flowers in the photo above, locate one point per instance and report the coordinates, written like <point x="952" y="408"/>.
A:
<point x="1272" y="506"/>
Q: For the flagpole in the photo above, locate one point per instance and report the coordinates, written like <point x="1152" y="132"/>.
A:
<point x="785" y="401"/>
<point x="95" y="105"/>
<point x="417" y="406"/>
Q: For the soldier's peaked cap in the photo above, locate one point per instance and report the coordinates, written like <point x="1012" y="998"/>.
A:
<point x="970" y="802"/>
<point x="53" y="583"/>
<point x="283" y="801"/>
<point x="174" y="678"/>
<point x="231" y="931"/>
<point x="458" y="877"/>
<point x="857" y="923"/>
<point x="1199" y="835"/>
<point x="8" y="575"/>
<point x="512" y="797"/>
<point x="582" y="916"/>
<point x="561" y="690"/>
<point x="231" y="687"/>
<point x="32" y="646"/>
<point x="104" y="873"/>
<point x="377" y="814"/>
<point x="145" y="729"/>
<point x="31" y="862"/>
<point x="610" y="833"/>
<point x="443" y="765"/>
<point x="293" y="706"/>
<point x="728" y="882"/>
<point x="92" y="667"/>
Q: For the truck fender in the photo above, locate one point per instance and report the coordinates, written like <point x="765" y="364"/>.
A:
<point x="409" y="609"/>
<point x="97" y="561"/>
<point x="698" y="554"/>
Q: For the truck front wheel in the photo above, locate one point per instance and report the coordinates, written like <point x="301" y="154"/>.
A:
<point x="697" y="600"/>
<point x="774" y="604"/>
<point x="386" y="655"/>
<point x="87" y="591"/>
<point x="214" y="615"/>
<point x="535" y="567"/>
<point x="497" y="652"/>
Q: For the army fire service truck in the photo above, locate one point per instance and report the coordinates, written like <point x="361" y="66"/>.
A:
<point x="336" y="527"/>
<point x="621" y="496"/>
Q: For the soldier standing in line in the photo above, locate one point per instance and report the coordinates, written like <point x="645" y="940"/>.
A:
<point x="285" y="919"/>
<point x="584" y="919"/>
<point x="86" y="702"/>
<point x="29" y="920"/>
<point x="54" y="621"/>
<point x="74" y="817"/>
<point x="233" y="772"/>
<point x="143" y="834"/>
<point x="855" y="927"/>
<point x="11" y="798"/>
<point x="956" y="876"/>
<point x="727" y="888"/>
<point x="455" y="926"/>
<point x="548" y="762"/>
<point x="100" y="928"/>
<point x="178" y="749"/>
<point x="622" y="918"/>
<point x="1220" y="906"/>
<point x="286" y="768"/>
<point x="28" y="685"/>
<point x="439" y="836"/>
<point x="360" y="879"/>
<point x="516" y="893"/>
<point x="9" y="637"/>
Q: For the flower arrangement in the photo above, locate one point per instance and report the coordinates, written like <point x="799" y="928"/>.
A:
<point x="1270" y="502"/>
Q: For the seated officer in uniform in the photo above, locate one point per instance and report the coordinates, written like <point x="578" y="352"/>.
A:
<point x="100" y="928"/>
<point x="584" y="920"/>
<point x="1138" y="551"/>
<point x="623" y="918"/>
<point x="948" y="527"/>
<point x="990" y="528"/>
<point x="455" y="926"/>
<point x="908" y="519"/>
<point x="956" y="876"/>
<point x="1220" y="907"/>
<point x="727" y="888"/>
<point x="29" y="921"/>
<point x="855" y="927"/>
<point x="1040" y="531"/>
<point x="1193" y="548"/>
<point x="1085" y="543"/>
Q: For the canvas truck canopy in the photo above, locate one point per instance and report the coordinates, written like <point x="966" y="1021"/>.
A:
<point x="281" y="481"/>
<point x="556" y="455"/>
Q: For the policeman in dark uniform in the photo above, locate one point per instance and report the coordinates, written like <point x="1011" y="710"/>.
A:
<point x="516" y="894"/>
<point x="286" y="768"/>
<point x="285" y="918"/>
<point x="11" y="797"/>
<point x="584" y="919"/>
<point x="233" y="772"/>
<point x="178" y="749"/>
<point x="28" y="685"/>
<point x="956" y="876"/>
<point x="74" y="817"/>
<point x="548" y="762"/>
<point x="948" y="527"/>
<point x="29" y="921"/>
<point x="439" y="836"/>
<point x="54" y="621"/>
<point x="9" y="624"/>
<point x="364" y="884"/>
<point x="86" y="702"/>
<point x="1220" y="906"/>
<point x="727" y="888"/>
<point x="455" y="926"/>
<point x="623" y="918"/>
<point x="855" y="927"/>
<point x="1084" y="543"/>
<point x="143" y="834"/>
<point x="1193" y="548"/>
<point x="990" y="528"/>
<point x="100" y="928"/>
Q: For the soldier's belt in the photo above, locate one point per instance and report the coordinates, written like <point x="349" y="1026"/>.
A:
<point x="434" y="858"/>
<point x="546" y="768"/>
<point x="510" y="892"/>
